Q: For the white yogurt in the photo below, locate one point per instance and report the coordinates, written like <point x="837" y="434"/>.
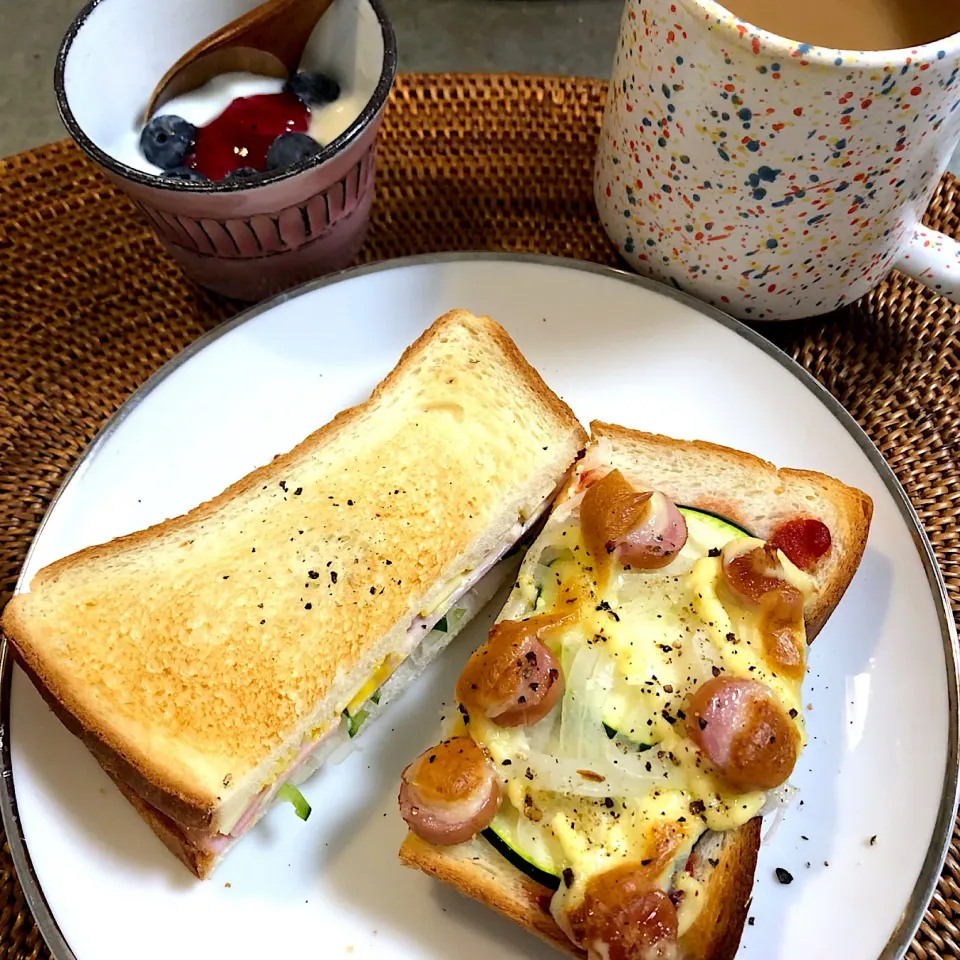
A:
<point x="206" y="103"/>
<point x="330" y="120"/>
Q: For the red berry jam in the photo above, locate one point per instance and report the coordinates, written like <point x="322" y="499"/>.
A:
<point x="242" y="134"/>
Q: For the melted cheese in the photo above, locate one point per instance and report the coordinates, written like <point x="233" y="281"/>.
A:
<point x="690" y="902"/>
<point x="376" y="680"/>
<point x="734" y="634"/>
<point x="664" y="632"/>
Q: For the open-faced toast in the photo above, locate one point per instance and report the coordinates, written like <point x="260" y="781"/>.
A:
<point x="671" y="597"/>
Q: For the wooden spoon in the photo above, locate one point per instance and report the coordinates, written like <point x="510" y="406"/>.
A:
<point x="269" y="40"/>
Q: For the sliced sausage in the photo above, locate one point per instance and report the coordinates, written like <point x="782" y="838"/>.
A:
<point x="754" y="574"/>
<point x="450" y="792"/>
<point x="514" y="678"/>
<point x="753" y="571"/>
<point x="626" y="917"/>
<point x="642" y="530"/>
<point x="744" y="731"/>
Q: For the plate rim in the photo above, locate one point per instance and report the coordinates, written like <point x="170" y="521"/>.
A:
<point x="926" y="883"/>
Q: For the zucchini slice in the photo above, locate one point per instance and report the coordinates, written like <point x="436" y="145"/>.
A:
<point x="515" y="857"/>
<point x="708" y="531"/>
<point x="640" y="747"/>
<point x="714" y="520"/>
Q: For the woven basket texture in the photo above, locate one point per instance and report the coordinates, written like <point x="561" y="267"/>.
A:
<point x="90" y="306"/>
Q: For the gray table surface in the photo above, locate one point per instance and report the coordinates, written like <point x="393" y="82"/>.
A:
<point x="574" y="37"/>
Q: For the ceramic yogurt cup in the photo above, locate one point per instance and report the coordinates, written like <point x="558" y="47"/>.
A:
<point x="242" y="239"/>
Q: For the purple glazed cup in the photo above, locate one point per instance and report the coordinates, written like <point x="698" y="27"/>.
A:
<point x="243" y="240"/>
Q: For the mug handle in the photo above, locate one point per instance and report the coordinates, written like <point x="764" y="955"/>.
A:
<point x="933" y="259"/>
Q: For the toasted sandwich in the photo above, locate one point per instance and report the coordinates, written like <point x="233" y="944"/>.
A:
<point x="637" y="707"/>
<point x="212" y="662"/>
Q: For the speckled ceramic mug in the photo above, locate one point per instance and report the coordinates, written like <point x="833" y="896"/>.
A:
<point x="774" y="179"/>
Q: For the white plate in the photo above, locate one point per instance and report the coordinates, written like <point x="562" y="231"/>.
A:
<point x="882" y="760"/>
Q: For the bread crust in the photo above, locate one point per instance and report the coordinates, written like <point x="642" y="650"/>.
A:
<point x="172" y="805"/>
<point x="198" y="861"/>
<point x="278" y="467"/>
<point x="168" y="795"/>
<point x="853" y="507"/>
<point x="715" y="933"/>
<point x="477" y="870"/>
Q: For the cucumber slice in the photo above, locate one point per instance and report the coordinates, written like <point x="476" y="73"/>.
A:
<point x="552" y="555"/>
<point x="443" y="624"/>
<point x="502" y="836"/>
<point x="622" y="718"/>
<point x="536" y="599"/>
<point x="355" y="722"/>
<point x="290" y="794"/>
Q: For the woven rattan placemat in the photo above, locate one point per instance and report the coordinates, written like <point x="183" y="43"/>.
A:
<point x="90" y="306"/>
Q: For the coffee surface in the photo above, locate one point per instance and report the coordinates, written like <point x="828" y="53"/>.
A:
<point x="853" y="24"/>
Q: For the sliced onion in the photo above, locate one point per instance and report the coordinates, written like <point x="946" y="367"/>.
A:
<point x="705" y="660"/>
<point x="424" y="653"/>
<point x="588" y="681"/>
<point x="341" y="746"/>
<point x="543" y="733"/>
<point x="551" y="554"/>
<point x="580" y="759"/>
<point x="780" y="799"/>
<point x="569" y="508"/>
<point x="778" y="802"/>
<point x="612" y="775"/>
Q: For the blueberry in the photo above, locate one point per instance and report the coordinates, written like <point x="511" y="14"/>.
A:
<point x="241" y="173"/>
<point x="314" y="89"/>
<point x="290" y="148"/>
<point x="184" y="173"/>
<point x="166" y="141"/>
